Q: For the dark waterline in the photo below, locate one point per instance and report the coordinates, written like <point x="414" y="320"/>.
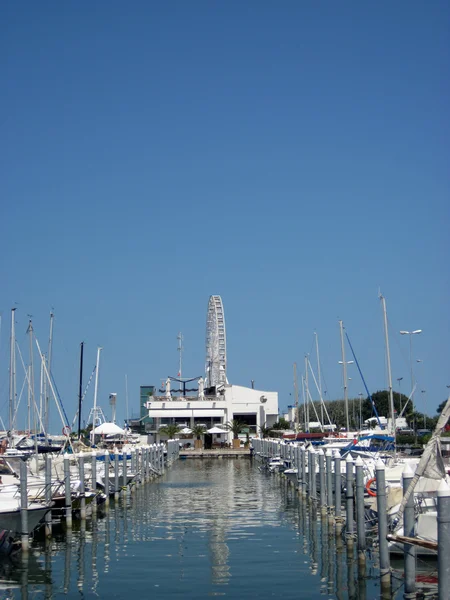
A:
<point x="207" y="528"/>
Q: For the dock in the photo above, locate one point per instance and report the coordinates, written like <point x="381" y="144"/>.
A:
<point x="215" y="453"/>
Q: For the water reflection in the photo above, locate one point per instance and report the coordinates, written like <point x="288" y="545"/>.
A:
<point x="205" y="528"/>
<point x="67" y="560"/>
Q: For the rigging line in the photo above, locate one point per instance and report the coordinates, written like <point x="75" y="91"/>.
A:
<point x="364" y="381"/>
<point x="321" y="399"/>
<point x="324" y="388"/>
<point x="59" y="397"/>
<point x="83" y="396"/>
<point x="51" y="387"/>
<point x="27" y="379"/>
<point x="313" y="405"/>
<point x="18" y="404"/>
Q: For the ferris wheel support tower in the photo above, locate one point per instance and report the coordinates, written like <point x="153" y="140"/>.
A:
<point x="216" y="343"/>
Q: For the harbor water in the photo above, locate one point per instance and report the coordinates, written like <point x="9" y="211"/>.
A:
<point x="206" y="528"/>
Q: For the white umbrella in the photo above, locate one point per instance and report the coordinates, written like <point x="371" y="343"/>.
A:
<point x="216" y="430"/>
<point x="108" y="429"/>
<point x="185" y="430"/>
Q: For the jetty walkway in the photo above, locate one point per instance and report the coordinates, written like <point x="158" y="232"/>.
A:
<point x="215" y="453"/>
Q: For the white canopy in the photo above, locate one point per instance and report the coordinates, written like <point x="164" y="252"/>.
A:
<point x="216" y="430"/>
<point x="185" y="430"/>
<point x="108" y="429"/>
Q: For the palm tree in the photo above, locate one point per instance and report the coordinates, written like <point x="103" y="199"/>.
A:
<point x="264" y="430"/>
<point x="198" y="431"/>
<point x="235" y="426"/>
<point x="170" y="430"/>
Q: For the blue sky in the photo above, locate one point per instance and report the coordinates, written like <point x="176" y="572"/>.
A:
<point x="291" y="157"/>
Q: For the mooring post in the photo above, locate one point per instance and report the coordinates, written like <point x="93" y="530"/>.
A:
<point x="313" y="476"/>
<point x="144" y="464"/>
<point x="68" y="491"/>
<point x="148" y="457"/>
<point x="106" y="478"/>
<point x="409" y="550"/>
<point x="161" y="449"/>
<point x="297" y="464"/>
<point x="94" y="480"/>
<point x="24" y="507"/>
<point x="337" y="490"/>
<point x="329" y="470"/>
<point x="133" y="469"/>
<point x="360" y="521"/>
<point x="125" y="471"/>
<point x="152" y="466"/>
<point x="147" y="463"/>
<point x="323" y="487"/>
<point x="443" y="523"/>
<point x="303" y="470"/>
<point x="116" y="474"/>
<point x="385" y="570"/>
<point x="82" y="487"/>
<point x="139" y="466"/>
<point x="48" y="494"/>
<point x="349" y="498"/>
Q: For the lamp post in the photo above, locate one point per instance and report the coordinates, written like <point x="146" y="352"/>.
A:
<point x="411" y="333"/>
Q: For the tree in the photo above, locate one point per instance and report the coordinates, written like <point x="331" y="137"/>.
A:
<point x="170" y="430"/>
<point x="382" y="404"/>
<point x="235" y="426"/>
<point x="198" y="431"/>
<point x="264" y="431"/>
<point x="281" y="424"/>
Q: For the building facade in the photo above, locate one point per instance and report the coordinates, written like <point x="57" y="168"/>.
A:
<point x="254" y="408"/>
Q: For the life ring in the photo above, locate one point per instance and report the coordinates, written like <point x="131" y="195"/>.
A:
<point x="66" y="430"/>
<point x="369" y="488"/>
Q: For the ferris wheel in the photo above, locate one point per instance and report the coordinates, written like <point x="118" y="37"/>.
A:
<point x="216" y="343"/>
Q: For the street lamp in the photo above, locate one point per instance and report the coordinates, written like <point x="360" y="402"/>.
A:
<point x="411" y="333"/>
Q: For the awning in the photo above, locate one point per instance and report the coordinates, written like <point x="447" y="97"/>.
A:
<point x="186" y="413"/>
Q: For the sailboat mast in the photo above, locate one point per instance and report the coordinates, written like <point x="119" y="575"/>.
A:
<point x="12" y="373"/>
<point x="344" y="373"/>
<point x="296" y="397"/>
<point x="304" y="400"/>
<point x="388" y="360"/>
<point x="29" y="400"/>
<point x="49" y="363"/>
<point x="80" y="390"/>
<point x="31" y="378"/>
<point x="319" y="376"/>
<point x="126" y="397"/>
<point x="94" y="416"/>
<point x="306" y="395"/>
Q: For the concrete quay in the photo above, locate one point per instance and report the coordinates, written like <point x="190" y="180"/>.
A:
<point x="215" y="453"/>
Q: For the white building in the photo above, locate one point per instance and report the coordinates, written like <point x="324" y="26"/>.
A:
<point x="255" y="408"/>
<point x="216" y="402"/>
